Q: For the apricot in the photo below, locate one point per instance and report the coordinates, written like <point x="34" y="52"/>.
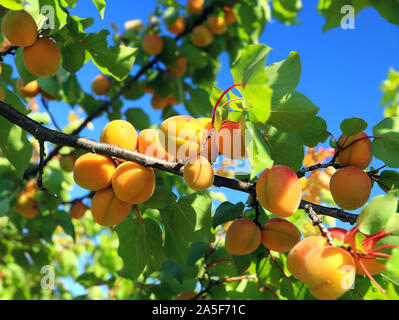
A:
<point x="2" y="94"/>
<point x="178" y="26"/>
<point x="198" y="174"/>
<point x="77" y="210"/>
<point x="195" y="6"/>
<point x="26" y="205"/>
<point x="30" y="90"/>
<point x="181" y="136"/>
<point x="217" y="24"/>
<point x="358" y="154"/>
<point x="279" y="190"/>
<point x="107" y="209"/>
<point x="338" y="233"/>
<point x="148" y="144"/>
<point x="201" y="36"/>
<point x="329" y="272"/>
<point x="243" y="237"/>
<point x="178" y="67"/>
<point x="146" y="88"/>
<point x="152" y="44"/>
<point x="31" y="188"/>
<point x="280" y="235"/>
<point x="42" y="58"/>
<point x="67" y="162"/>
<point x="93" y="171"/>
<point x="229" y="15"/>
<point x="210" y="150"/>
<point x="350" y="188"/>
<point x="100" y="85"/>
<point x="133" y="183"/>
<point x="232" y="140"/>
<point x="159" y="103"/>
<point x="19" y="28"/>
<point x="120" y="133"/>
<point x="297" y="254"/>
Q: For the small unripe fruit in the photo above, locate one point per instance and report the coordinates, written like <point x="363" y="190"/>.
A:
<point x="195" y="6"/>
<point x="178" y="26"/>
<point x="77" y="210"/>
<point x="198" y="174"/>
<point x="19" y="28"/>
<point x="93" y="171"/>
<point x="280" y="235"/>
<point x="42" y="58"/>
<point x="67" y="162"/>
<point x="30" y="90"/>
<point x="217" y="24"/>
<point x="152" y="44"/>
<point x="358" y="154"/>
<point x="133" y="183"/>
<point x="201" y="36"/>
<point x="100" y="85"/>
<point x="107" y="209"/>
<point x="243" y="237"/>
<point x="350" y="187"/>
<point x="178" y="67"/>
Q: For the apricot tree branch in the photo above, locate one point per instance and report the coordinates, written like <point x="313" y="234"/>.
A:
<point x="40" y="178"/>
<point x="301" y="173"/>
<point x="318" y="222"/>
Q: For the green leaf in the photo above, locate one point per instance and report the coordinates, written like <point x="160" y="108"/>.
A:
<point x="72" y="91"/>
<point x="315" y="132"/>
<point x="353" y="126"/>
<point x="390" y="179"/>
<point x="227" y="211"/>
<point x="198" y="105"/>
<point x="65" y="221"/>
<point x="5" y="205"/>
<point x="387" y="148"/>
<point x="293" y="113"/>
<point x="170" y="15"/>
<point x="138" y="118"/>
<point x="100" y="4"/>
<point x="161" y="198"/>
<point x="388" y="9"/>
<point x="393" y="262"/>
<point x="50" y="85"/>
<point x="285" y="13"/>
<point x="169" y="53"/>
<point x="12" y="4"/>
<point x="174" y="270"/>
<point x="196" y="252"/>
<point x="140" y="245"/>
<point x="73" y="56"/>
<point x="24" y="74"/>
<point x="241" y="262"/>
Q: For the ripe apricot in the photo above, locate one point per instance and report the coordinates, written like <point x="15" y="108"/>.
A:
<point x="350" y="187"/>
<point x="279" y="190"/>
<point x="100" y="85"/>
<point x="159" y="103"/>
<point x="181" y="136"/>
<point x="133" y="183"/>
<point x="178" y="67"/>
<point x="195" y="6"/>
<point x="77" y="210"/>
<point x="280" y="235"/>
<point x="120" y="133"/>
<point x="338" y="233"/>
<point x="42" y="58"/>
<point x="67" y="162"/>
<point x="31" y="188"/>
<point x="210" y="150"/>
<point x="232" y="140"/>
<point x="107" y="209"/>
<point x="19" y="28"/>
<point x="30" y="90"/>
<point x="329" y="272"/>
<point x="152" y="44"/>
<point x="26" y="205"/>
<point x="93" y="171"/>
<point x="243" y="237"/>
<point x="178" y="26"/>
<point x="2" y="94"/>
<point x="198" y="174"/>
<point x="297" y="254"/>
<point x="201" y="36"/>
<point x="358" y="154"/>
<point x="148" y="144"/>
<point x="229" y="15"/>
<point x="217" y="24"/>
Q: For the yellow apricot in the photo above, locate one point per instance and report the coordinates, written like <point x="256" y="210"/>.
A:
<point x="280" y="235"/>
<point x="195" y="6"/>
<point x="31" y="188"/>
<point x="329" y="272"/>
<point x="42" y="58"/>
<point x="210" y="150"/>
<point x="178" y="26"/>
<point x="100" y="85"/>
<point x="159" y="103"/>
<point x="232" y="140"/>
<point x="217" y="24"/>
<point x="181" y="136"/>
<point x="350" y="188"/>
<point x="67" y="162"/>
<point x="77" y="210"/>
<point x="93" y="171"/>
<point x="297" y="254"/>
<point x="30" y="90"/>
<point x="2" y="94"/>
<point x="279" y="190"/>
<point x="19" y="28"/>
<point x="358" y="154"/>
<point x="133" y="183"/>
<point x="107" y="209"/>
<point x="178" y="67"/>
<point x="243" y="237"/>
<point x="201" y="36"/>
<point x="198" y="174"/>
<point x="152" y="44"/>
<point x="149" y="145"/>
<point x="26" y="205"/>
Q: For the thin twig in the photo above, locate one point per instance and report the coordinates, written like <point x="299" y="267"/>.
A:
<point x="46" y="106"/>
<point x="40" y="178"/>
<point x="317" y="221"/>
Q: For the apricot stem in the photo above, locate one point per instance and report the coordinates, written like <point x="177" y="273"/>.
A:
<point x="367" y="273"/>
<point x="221" y="97"/>
<point x="138" y="215"/>
<point x="277" y="264"/>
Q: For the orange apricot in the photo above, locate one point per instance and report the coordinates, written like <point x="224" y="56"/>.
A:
<point x="31" y="188"/>
<point x="232" y="140"/>
<point x="178" y="26"/>
<point x="229" y="15"/>
<point x="329" y="272"/>
<point x="19" y="28"/>
<point x="217" y="24"/>
<point x="195" y="6"/>
<point x="280" y="235"/>
<point x="178" y="67"/>
<point x="100" y="85"/>
<point x="149" y="145"/>
<point x="279" y="190"/>
<point x="77" y="210"/>
<point x="201" y="36"/>
<point x="297" y="254"/>
<point x="198" y="174"/>
<point x="243" y="237"/>
<point x="107" y="209"/>
<point x="159" y="103"/>
<point x="210" y="150"/>
<point x="93" y="171"/>
<point x="357" y="154"/>
<point x="67" y="161"/>
<point x="152" y="44"/>
<point x="26" y="205"/>
<point x="30" y="90"/>
<point x="42" y="58"/>
<point x="133" y="183"/>
<point x="350" y="188"/>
